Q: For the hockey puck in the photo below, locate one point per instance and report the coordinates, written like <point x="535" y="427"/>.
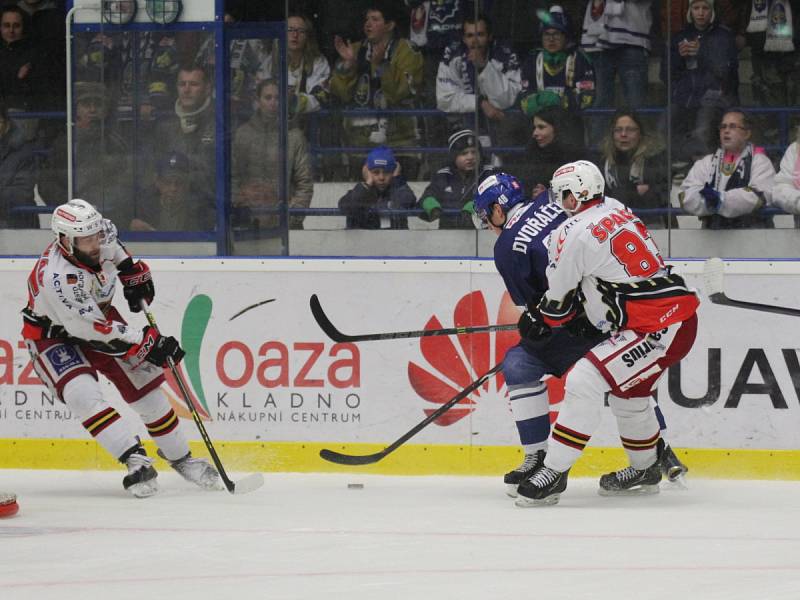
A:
<point x="355" y="486"/>
<point x="9" y="506"/>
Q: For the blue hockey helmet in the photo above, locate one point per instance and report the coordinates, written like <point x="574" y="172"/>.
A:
<point x="497" y="187"/>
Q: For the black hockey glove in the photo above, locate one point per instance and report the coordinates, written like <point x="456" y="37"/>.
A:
<point x="580" y="326"/>
<point x="137" y="285"/>
<point x="532" y="327"/>
<point x="156" y="349"/>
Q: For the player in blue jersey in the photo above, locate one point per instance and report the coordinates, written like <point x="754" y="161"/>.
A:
<point x="523" y="227"/>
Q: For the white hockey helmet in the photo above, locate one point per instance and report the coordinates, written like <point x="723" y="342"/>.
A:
<point x="77" y="218"/>
<point x="582" y="178"/>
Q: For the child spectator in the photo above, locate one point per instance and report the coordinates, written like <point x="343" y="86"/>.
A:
<point x="453" y="186"/>
<point x="726" y="189"/>
<point x="381" y="189"/>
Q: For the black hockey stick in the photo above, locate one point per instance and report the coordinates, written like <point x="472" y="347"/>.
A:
<point x="713" y="276"/>
<point x="248" y="484"/>
<point x="349" y="459"/>
<point x="337" y="336"/>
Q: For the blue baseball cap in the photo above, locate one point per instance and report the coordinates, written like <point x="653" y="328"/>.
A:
<point x="381" y="158"/>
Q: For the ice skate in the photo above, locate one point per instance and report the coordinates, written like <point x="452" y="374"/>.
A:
<point x="141" y="478"/>
<point x="197" y="471"/>
<point x="512" y="479"/>
<point x="631" y="482"/>
<point x="543" y="488"/>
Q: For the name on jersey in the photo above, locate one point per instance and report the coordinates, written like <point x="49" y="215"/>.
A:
<point x="534" y="225"/>
<point x="606" y="226"/>
<point x="639" y="351"/>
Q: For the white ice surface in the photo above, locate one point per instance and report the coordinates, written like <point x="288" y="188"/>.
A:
<point x="78" y="535"/>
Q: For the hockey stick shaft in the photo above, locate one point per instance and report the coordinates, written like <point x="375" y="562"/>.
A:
<point x="349" y="459"/>
<point x="229" y="485"/>
<point x="337" y="336"/>
<point x="713" y="275"/>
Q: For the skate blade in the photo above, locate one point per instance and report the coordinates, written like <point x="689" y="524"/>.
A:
<point x="525" y="502"/>
<point x="511" y="490"/>
<point x="677" y="484"/>
<point x="145" y="489"/>
<point x="639" y="490"/>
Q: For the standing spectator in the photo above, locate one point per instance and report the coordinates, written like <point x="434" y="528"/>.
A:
<point x="634" y="167"/>
<point x="101" y="159"/>
<point x="728" y="13"/>
<point x="257" y="162"/>
<point x="47" y="32"/>
<point x="453" y="186"/>
<point x="726" y="189"/>
<point x="17" y="174"/>
<point x="616" y="34"/>
<point x="705" y="79"/>
<point x="553" y="142"/>
<point x="557" y="67"/>
<point x="382" y="72"/>
<point x="786" y="191"/>
<point x="20" y="65"/>
<point x="480" y="77"/>
<point x="191" y="130"/>
<point x="172" y="204"/>
<point x="382" y="188"/>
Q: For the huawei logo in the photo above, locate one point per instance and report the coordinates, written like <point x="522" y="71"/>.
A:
<point x="456" y="361"/>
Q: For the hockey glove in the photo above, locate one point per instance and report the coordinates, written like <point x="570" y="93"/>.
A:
<point x="156" y="349"/>
<point x="582" y="327"/>
<point x="532" y="327"/>
<point x="712" y="197"/>
<point x="137" y="285"/>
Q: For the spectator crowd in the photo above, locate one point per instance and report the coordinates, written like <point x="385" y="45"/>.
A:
<point x="652" y="91"/>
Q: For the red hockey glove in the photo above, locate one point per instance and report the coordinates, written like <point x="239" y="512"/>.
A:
<point x="156" y="349"/>
<point x="137" y="285"/>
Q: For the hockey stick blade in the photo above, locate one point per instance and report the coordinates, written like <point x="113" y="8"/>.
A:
<point x="713" y="276"/>
<point x="249" y="484"/>
<point x="350" y="459"/>
<point x="337" y="336"/>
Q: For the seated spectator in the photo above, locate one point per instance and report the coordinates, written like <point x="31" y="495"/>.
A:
<point x="557" y="66"/>
<point x="382" y="72"/>
<point x="257" y="163"/>
<point x="101" y="159"/>
<point x="480" y="74"/>
<point x="705" y="79"/>
<point x="172" y="204"/>
<point x="634" y="166"/>
<point x="17" y="174"/>
<point x="454" y="185"/>
<point x="553" y="143"/>
<point x="727" y="12"/>
<point x="382" y="188"/>
<point x="616" y="35"/>
<point x="786" y="191"/>
<point x="21" y="66"/>
<point x="726" y="189"/>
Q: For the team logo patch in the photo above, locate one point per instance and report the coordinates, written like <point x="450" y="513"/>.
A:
<point x="72" y="279"/>
<point x="63" y="358"/>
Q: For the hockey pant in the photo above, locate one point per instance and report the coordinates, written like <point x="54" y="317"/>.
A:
<point x="71" y="373"/>
<point x="627" y="367"/>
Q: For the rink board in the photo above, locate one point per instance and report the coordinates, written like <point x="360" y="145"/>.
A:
<point x="274" y="389"/>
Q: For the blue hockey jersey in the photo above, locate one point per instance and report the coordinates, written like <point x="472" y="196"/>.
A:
<point x="520" y="252"/>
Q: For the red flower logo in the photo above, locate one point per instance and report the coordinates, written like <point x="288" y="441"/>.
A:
<point x="456" y="365"/>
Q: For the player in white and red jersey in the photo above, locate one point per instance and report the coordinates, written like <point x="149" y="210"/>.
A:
<point x="73" y="333"/>
<point x="603" y="259"/>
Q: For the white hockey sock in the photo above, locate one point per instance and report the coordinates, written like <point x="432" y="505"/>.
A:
<point x="531" y="409"/>
<point x="162" y="424"/>
<point x="85" y="398"/>
<point x="580" y="415"/>
<point x="638" y="429"/>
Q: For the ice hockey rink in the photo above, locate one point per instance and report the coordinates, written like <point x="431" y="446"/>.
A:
<point x="78" y="535"/>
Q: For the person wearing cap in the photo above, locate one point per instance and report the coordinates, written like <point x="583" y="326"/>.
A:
<point x="173" y="203"/>
<point x="557" y="67"/>
<point x="704" y="77"/>
<point x="382" y="188"/>
<point x="453" y="186"/>
<point x="102" y="158"/>
<point x="257" y="165"/>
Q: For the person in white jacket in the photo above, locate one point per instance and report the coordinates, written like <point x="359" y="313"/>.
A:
<point x="727" y="188"/>
<point x="786" y="191"/>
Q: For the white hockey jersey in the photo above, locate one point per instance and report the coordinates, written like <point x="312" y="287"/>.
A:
<point x="68" y="299"/>
<point x="605" y="258"/>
